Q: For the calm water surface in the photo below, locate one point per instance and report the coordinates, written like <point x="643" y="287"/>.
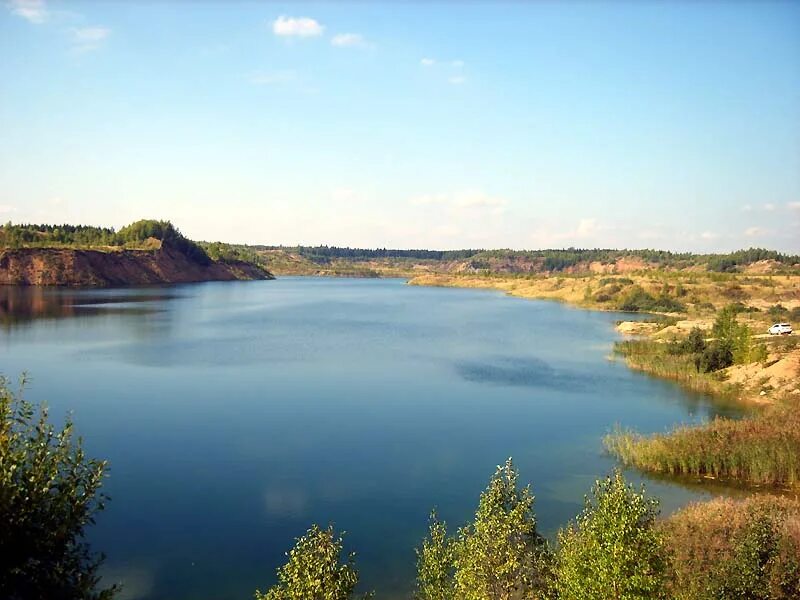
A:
<point x="236" y="414"/>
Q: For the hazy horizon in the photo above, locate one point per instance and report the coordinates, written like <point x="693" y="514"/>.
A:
<point x="673" y="126"/>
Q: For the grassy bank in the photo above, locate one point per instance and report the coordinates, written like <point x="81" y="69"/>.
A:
<point x="655" y="358"/>
<point x="763" y="450"/>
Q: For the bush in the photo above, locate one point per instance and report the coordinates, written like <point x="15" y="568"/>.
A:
<point x="718" y="355"/>
<point x="314" y="570"/>
<point x="48" y="495"/>
<point x="500" y="554"/>
<point x="695" y="342"/>
<point x="638" y="299"/>
<point x="435" y="570"/>
<point x="726" y="548"/>
<point x="734" y="343"/>
<point x="613" y="549"/>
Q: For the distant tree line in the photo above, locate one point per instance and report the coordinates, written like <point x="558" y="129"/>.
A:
<point x="554" y="260"/>
<point x="315" y="253"/>
<point x="517" y="261"/>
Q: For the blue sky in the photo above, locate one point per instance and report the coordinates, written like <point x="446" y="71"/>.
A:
<point x="408" y="124"/>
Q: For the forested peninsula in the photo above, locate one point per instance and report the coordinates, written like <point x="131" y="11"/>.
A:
<point x="146" y="252"/>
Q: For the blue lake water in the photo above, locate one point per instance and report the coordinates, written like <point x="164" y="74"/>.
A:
<point x="236" y="414"/>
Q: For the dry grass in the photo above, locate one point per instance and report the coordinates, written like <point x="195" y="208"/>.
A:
<point x="708" y="539"/>
<point x="762" y="450"/>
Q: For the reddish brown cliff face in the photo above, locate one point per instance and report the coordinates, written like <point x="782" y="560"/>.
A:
<point x="68" y="267"/>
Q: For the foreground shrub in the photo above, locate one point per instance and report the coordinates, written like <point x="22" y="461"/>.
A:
<point x="613" y="550"/>
<point x="499" y="556"/>
<point x="314" y="570"/>
<point x="435" y="568"/>
<point x="764" y="449"/>
<point x="735" y="549"/>
<point x="48" y="495"/>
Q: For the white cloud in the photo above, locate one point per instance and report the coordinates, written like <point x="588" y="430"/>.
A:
<point x="457" y="80"/>
<point x="272" y="77"/>
<point x="297" y="27"/>
<point x="755" y="231"/>
<point x="85" y="39"/>
<point x="650" y="234"/>
<point x="766" y="207"/>
<point x="429" y="199"/>
<point x="467" y="202"/>
<point x="34" y="11"/>
<point x="793" y="206"/>
<point x="346" y="195"/>
<point x="7" y="208"/>
<point x="448" y="230"/>
<point x="586" y="227"/>
<point x="349" y="40"/>
<point x="474" y="199"/>
<point x="709" y="235"/>
<point x="457" y="64"/>
<point x="427" y="62"/>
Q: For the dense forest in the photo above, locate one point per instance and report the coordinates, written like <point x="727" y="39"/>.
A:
<point x="323" y="253"/>
<point x="549" y="259"/>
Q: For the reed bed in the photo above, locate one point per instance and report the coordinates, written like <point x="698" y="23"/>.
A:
<point x="762" y="450"/>
<point x="654" y="358"/>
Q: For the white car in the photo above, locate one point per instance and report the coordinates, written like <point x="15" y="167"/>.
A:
<point x="780" y="329"/>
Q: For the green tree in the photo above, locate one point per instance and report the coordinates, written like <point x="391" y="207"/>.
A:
<point x="314" y="570"/>
<point x="500" y="555"/>
<point x="48" y="495"/>
<point x="613" y="551"/>
<point x="726" y="326"/>
<point x="717" y="355"/>
<point x="435" y="569"/>
<point x="695" y="342"/>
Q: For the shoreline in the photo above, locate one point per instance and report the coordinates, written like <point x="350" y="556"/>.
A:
<point x="770" y="388"/>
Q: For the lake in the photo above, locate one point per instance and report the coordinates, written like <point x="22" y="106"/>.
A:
<point x="234" y="415"/>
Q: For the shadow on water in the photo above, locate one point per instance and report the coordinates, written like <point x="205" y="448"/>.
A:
<point x="22" y="305"/>
<point x="526" y="372"/>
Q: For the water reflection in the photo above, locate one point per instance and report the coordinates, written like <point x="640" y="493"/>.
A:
<point x="235" y="414"/>
<point x="21" y="305"/>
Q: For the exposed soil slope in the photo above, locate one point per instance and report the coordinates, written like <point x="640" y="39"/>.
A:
<point x="78" y="268"/>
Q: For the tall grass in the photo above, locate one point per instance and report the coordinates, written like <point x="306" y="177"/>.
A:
<point x="654" y="358"/>
<point x="762" y="450"/>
